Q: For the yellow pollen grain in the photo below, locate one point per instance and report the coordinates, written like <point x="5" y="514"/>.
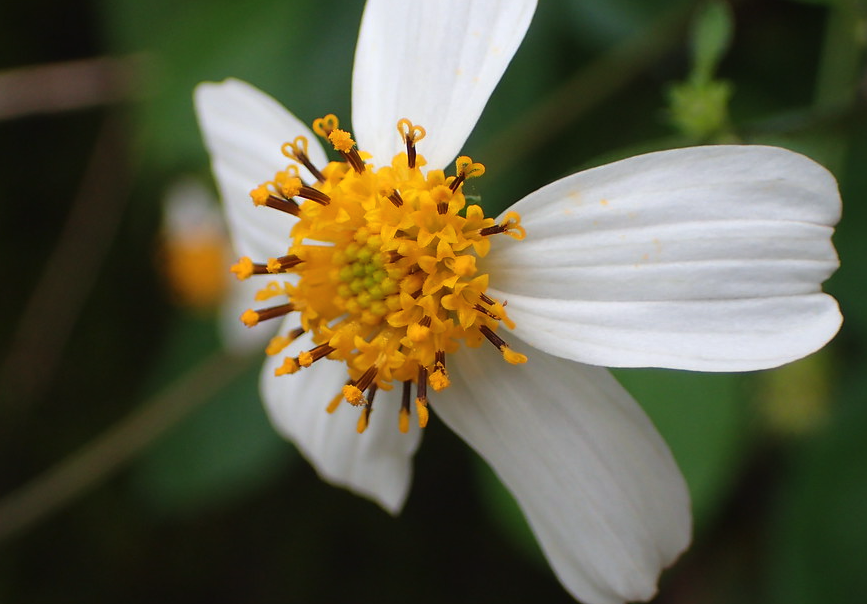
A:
<point x="274" y="265"/>
<point x="422" y="412"/>
<point x="439" y="380"/>
<point x="403" y="420"/>
<point x="291" y="187"/>
<point x="515" y="358"/>
<point x="305" y="359"/>
<point x="288" y="367"/>
<point x="260" y="195"/>
<point x="353" y="395"/>
<point x="250" y="317"/>
<point x="341" y="140"/>
<point x="243" y="269"/>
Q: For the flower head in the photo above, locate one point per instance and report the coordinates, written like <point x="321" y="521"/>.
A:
<point x="388" y="283"/>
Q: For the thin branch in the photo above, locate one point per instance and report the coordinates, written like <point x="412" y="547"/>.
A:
<point x="72" y="268"/>
<point x="66" y="86"/>
<point x="97" y="461"/>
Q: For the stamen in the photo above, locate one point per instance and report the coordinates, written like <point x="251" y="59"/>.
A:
<point x="403" y="416"/>
<point x="515" y="358"/>
<point x="354" y="391"/>
<point x="421" y="400"/>
<point x="439" y="379"/>
<point x="511" y="225"/>
<point x="253" y="317"/>
<point x="344" y="145"/>
<point x="262" y="196"/>
<point x="466" y="168"/>
<point x="307" y="358"/>
<point x="364" y="420"/>
<point x="411" y="134"/>
<point x="293" y="187"/>
<point x="245" y="268"/>
<point x="298" y="152"/>
<point x="486" y="312"/>
<point x="278" y="343"/>
<point x="395" y="198"/>
<point x="283" y="263"/>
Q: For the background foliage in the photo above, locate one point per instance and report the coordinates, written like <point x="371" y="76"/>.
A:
<point x="136" y="461"/>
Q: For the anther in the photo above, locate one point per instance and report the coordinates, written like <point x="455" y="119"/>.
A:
<point x="364" y="419"/>
<point x="293" y="187"/>
<point x="308" y="357"/>
<point x="465" y="168"/>
<point x="354" y="391"/>
<point x="486" y="312"/>
<point x="344" y="145"/>
<point x="253" y="317"/>
<point x="421" y="399"/>
<point x="439" y="379"/>
<point x="410" y="134"/>
<point x="511" y="225"/>
<point x="515" y="358"/>
<point x="298" y="152"/>
<point x="395" y="198"/>
<point x="283" y="263"/>
<point x="403" y="416"/>
<point x="245" y="268"/>
<point x="262" y="196"/>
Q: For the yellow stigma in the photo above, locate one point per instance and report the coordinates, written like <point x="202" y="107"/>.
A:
<point x="515" y="358"/>
<point x="386" y="271"/>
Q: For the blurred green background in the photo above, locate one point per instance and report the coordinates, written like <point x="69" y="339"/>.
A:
<point x="137" y="463"/>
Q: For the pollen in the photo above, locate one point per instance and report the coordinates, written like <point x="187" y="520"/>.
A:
<point x="382" y="270"/>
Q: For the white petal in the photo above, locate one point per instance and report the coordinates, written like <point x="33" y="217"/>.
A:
<point x="709" y="258"/>
<point x="375" y="464"/>
<point x="244" y="130"/>
<point x="434" y="62"/>
<point x="598" y="485"/>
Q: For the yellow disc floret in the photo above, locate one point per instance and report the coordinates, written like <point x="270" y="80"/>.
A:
<point x="386" y="263"/>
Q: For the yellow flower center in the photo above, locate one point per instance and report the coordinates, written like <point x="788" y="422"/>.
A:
<point x="386" y="264"/>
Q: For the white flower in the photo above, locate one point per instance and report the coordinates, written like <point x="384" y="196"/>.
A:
<point x="709" y="258"/>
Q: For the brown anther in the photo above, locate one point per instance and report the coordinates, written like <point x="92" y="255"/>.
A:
<point x="486" y="312"/>
<point x="275" y="311"/>
<point x="422" y="384"/>
<point x="353" y="159"/>
<point x="284" y="205"/>
<point x="494" y="230"/>
<point x="395" y="198"/>
<point x="411" y="134"/>
<point x="314" y="195"/>
<point x="493" y="338"/>
<point x="283" y="263"/>
<point x="486" y="298"/>
<point x="366" y="379"/>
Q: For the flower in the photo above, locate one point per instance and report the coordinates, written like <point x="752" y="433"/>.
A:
<point x="708" y="258"/>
